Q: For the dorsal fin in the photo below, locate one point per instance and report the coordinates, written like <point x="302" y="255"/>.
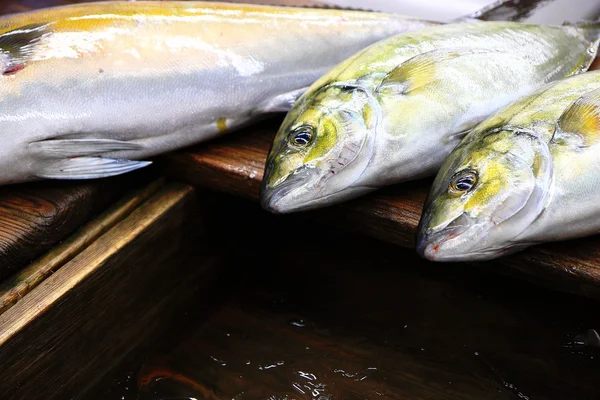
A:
<point x="17" y="45"/>
<point x="505" y="10"/>
<point x="582" y="118"/>
<point x="421" y="69"/>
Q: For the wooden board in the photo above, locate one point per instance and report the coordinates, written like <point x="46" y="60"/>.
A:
<point x="24" y="280"/>
<point x="35" y="217"/>
<point x="82" y="320"/>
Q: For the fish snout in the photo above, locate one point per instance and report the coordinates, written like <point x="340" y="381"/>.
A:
<point x="439" y="244"/>
<point x="282" y="198"/>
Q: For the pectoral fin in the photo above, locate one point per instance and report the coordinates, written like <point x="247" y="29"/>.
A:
<point x="73" y="158"/>
<point x="17" y="46"/>
<point x="582" y="118"/>
<point x="88" y="168"/>
<point x="64" y="148"/>
<point x="282" y="102"/>
<point x="421" y="69"/>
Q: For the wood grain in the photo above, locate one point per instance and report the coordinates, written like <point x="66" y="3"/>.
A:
<point x="234" y="164"/>
<point x="22" y="282"/>
<point x="35" y="217"/>
<point x="85" y="317"/>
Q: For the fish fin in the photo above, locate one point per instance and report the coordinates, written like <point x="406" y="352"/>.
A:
<point x="504" y="10"/>
<point x="420" y="70"/>
<point x="582" y="118"/>
<point x="89" y="168"/>
<point x="282" y="102"/>
<point x="65" y="148"/>
<point x="17" y="45"/>
<point x="457" y="136"/>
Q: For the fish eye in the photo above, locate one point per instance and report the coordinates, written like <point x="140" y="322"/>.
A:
<point x="301" y="136"/>
<point x="463" y="181"/>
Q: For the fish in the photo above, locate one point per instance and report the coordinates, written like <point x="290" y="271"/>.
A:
<point x="394" y="111"/>
<point x="95" y="90"/>
<point x="526" y="175"/>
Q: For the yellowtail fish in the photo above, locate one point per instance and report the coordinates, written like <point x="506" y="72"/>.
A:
<point x="87" y="89"/>
<point x="528" y="174"/>
<point x="394" y="111"/>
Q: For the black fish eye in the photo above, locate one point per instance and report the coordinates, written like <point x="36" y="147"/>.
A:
<point x="463" y="181"/>
<point x="302" y="135"/>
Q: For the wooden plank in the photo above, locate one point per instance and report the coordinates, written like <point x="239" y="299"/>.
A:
<point x="35" y="217"/>
<point x="21" y="283"/>
<point x="84" y="318"/>
<point x="234" y="164"/>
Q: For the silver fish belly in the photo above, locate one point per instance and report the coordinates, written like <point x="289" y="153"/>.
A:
<point x="87" y="89"/>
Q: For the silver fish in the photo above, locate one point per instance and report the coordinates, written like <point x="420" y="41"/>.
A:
<point x="526" y="175"/>
<point x="394" y="111"/>
<point x="89" y="88"/>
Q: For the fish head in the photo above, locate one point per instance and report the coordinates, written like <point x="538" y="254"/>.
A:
<point x="323" y="146"/>
<point x="489" y="190"/>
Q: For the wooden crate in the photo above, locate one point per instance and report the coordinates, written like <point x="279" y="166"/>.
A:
<point x="76" y="311"/>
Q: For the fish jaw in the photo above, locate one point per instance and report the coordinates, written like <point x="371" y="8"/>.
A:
<point x="284" y="197"/>
<point x="298" y="194"/>
<point x="457" y="241"/>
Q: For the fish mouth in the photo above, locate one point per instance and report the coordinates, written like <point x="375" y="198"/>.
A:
<point x="279" y="199"/>
<point x="461" y="240"/>
<point x="431" y="244"/>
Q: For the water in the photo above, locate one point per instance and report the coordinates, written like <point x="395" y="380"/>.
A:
<point x="309" y="312"/>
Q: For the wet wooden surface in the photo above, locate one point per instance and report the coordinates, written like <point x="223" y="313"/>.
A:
<point x="35" y="217"/>
<point x="23" y="281"/>
<point x="82" y="320"/>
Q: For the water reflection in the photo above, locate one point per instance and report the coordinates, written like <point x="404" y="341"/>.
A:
<point x="365" y="320"/>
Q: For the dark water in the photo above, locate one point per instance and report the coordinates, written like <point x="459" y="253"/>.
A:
<point x="307" y="312"/>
